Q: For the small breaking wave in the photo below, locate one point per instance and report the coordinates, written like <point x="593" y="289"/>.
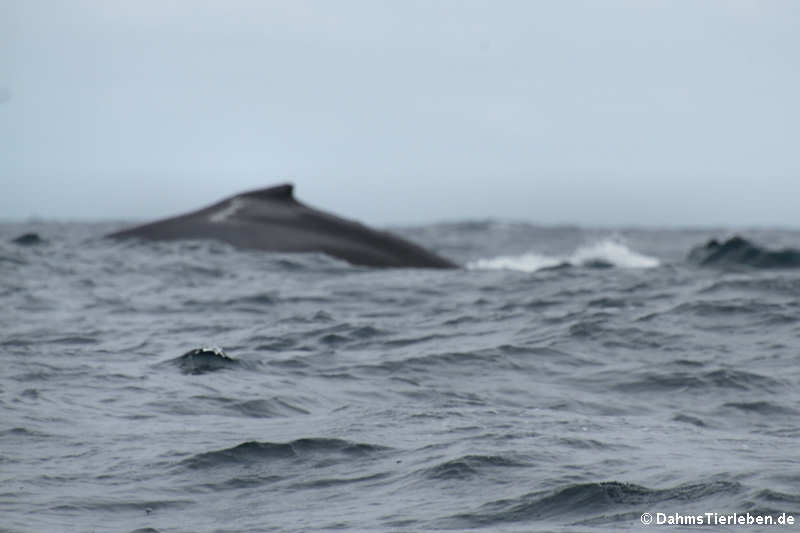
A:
<point x="203" y="361"/>
<point x="603" y="254"/>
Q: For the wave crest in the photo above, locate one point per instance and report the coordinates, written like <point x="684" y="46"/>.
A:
<point x="602" y="254"/>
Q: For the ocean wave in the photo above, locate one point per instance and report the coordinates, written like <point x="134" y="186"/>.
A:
<point x="778" y="285"/>
<point x="734" y="314"/>
<point x="761" y="408"/>
<point x="122" y="506"/>
<point x="450" y="362"/>
<point x="253" y="452"/>
<point x="202" y="405"/>
<point x="739" y="252"/>
<point x="335" y="482"/>
<point x="204" y="360"/>
<point x="470" y="466"/>
<point x="602" y="254"/>
<point x="727" y="379"/>
<point x="588" y="500"/>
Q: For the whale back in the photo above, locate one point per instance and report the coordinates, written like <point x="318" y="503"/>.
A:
<point x="272" y="219"/>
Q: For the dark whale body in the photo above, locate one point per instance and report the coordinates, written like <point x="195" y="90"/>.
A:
<point x="738" y="251"/>
<point x="271" y="219"/>
<point x="28" y="239"/>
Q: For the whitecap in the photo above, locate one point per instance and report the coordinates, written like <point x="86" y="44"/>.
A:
<point x="605" y="252"/>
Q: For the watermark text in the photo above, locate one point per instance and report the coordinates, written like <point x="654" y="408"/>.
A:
<point x="718" y="519"/>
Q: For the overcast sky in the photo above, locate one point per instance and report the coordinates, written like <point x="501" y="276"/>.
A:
<point x="598" y="112"/>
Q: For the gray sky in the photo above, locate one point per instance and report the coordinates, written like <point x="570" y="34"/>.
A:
<point x="637" y="112"/>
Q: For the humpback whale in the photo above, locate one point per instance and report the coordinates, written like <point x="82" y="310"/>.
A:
<point x="272" y="219"/>
<point x="738" y="251"/>
<point x="28" y="239"/>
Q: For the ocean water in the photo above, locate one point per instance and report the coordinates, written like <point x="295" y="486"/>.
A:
<point x="568" y="379"/>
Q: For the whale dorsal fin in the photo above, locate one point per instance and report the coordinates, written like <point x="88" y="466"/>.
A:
<point x="283" y="192"/>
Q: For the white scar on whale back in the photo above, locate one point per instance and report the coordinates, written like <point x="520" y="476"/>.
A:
<point x="224" y="214"/>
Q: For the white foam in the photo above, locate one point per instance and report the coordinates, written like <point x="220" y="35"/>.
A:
<point x="607" y="251"/>
<point x="529" y="262"/>
<point x="614" y="253"/>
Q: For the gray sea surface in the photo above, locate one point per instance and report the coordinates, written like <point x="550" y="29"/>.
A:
<point x="568" y="379"/>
